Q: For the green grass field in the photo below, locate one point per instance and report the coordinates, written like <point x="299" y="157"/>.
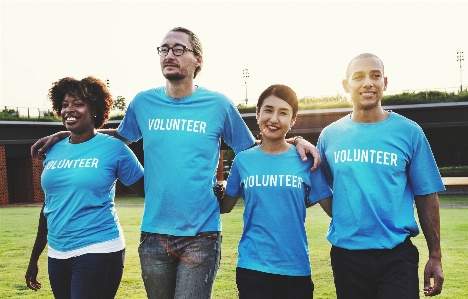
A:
<point x="18" y="225"/>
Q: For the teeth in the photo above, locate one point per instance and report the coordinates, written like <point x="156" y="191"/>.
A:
<point x="71" y="118"/>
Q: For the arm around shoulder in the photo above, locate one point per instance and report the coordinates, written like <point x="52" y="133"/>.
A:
<point x="41" y="146"/>
<point x="114" y="133"/>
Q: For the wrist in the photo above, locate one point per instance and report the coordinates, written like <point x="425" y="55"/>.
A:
<point x="295" y="139"/>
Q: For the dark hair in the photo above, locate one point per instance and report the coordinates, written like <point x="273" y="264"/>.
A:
<point x="283" y="92"/>
<point x="90" y="90"/>
<point x="196" y="45"/>
<point x="363" y="55"/>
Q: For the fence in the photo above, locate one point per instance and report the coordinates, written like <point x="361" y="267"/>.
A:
<point x="27" y="112"/>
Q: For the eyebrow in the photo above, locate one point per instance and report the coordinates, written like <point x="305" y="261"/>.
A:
<point x="269" y="106"/>
<point x="362" y="72"/>
<point x="176" y="44"/>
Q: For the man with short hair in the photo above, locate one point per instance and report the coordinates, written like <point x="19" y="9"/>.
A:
<point x="379" y="165"/>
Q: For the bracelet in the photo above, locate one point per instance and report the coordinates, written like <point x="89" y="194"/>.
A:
<point x="295" y="139"/>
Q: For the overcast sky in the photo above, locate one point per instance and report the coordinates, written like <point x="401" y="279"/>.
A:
<point x="305" y="44"/>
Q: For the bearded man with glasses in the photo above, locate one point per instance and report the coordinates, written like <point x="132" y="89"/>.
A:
<point x="181" y="125"/>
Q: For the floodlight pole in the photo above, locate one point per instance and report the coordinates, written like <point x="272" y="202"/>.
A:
<point x="245" y="73"/>
<point x="460" y="58"/>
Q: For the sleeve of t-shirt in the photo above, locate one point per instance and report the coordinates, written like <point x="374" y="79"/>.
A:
<point x="233" y="187"/>
<point x="423" y="172"/>
<point x="129" y="128"/>
<point x="129" y="169"/>
<point x="236" y="134"/>
<point x="319" y="188"/>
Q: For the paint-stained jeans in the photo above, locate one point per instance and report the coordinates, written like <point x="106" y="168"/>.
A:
<point x="179" y="267"/>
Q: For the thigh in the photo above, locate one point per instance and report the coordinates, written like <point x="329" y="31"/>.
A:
<point x="97" y="275"/>
<point x="293" y="287"/>
<point x="199" y="259"/>
<point x="158" y="265"/>
<point x="60" y="277"/>
<point x="253" y="284"/>
<point x="399" y="273"/>
<point x="352" y="274"/>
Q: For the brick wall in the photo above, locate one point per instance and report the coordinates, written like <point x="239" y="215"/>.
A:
<point x="3" y="177"/>
<point x="37" y="192"/>
<point x="26" y="176"/>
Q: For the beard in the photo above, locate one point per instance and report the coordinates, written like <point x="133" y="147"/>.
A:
<point x="174" y="77"/>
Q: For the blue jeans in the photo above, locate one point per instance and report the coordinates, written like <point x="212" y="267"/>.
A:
<point x="175" y="267"/>
<point x="88" y="276"/>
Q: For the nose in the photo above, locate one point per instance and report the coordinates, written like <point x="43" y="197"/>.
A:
<point x="170" y="52"/>
<point x="368" y="82"/>
<point x="68" y="108"/>
<point x="274" y="117"/>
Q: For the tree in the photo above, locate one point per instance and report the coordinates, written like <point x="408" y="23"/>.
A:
<point x="10" y="112"/>
<point x="119" y="104"/>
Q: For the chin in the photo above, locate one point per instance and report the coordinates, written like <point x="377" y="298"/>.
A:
<point x="174" y="77"/>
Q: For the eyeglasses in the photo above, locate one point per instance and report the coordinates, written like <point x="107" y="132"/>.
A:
<point x="178" y="50"/>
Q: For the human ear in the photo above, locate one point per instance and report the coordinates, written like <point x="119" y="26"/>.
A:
<point x="385" y="83"/>
<point x="293" y="121"/>
<point x="345" y="85"/>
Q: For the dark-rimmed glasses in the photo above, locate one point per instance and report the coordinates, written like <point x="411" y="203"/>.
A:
<point x="178" y="50"/>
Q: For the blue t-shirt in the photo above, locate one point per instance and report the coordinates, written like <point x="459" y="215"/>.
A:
<point x="79" y="186"/>
<point x="181" y="142"/>
<point x="375" y="169"/>
<point x="275" y="191"/>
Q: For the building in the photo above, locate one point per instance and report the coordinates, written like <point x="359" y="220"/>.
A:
<point x="445" y="126"/>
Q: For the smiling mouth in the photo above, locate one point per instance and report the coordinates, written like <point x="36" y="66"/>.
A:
<point x="70" y="119"/>
<point x="272" y="128"/>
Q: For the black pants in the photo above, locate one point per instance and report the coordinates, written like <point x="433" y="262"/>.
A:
<point x="260" y="285"/>
<point x="376" y="274"/>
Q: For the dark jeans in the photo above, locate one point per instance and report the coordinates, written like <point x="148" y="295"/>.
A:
<point x="260" y="285"/>
<point x="88" y="276"/>
<point x="175" y="267"/>
<point x="376" y="274"/>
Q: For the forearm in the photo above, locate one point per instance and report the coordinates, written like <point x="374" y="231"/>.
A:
<point x="114" y="133"/>
<point x="326" y="205"/>
<point x="227" y="203"/>
<point x="41" y="238"/>
<point x="429" y="220"/>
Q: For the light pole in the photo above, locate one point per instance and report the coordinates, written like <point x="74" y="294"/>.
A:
<point x="245" y="73"/>
<point x="460" y="58"/>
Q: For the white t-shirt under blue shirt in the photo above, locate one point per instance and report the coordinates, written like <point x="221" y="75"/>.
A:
<point x="181" y="142"/>
<point x="375" y="169"/>
<point x="79" y="186"/>
<point x="274" y="189"/>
